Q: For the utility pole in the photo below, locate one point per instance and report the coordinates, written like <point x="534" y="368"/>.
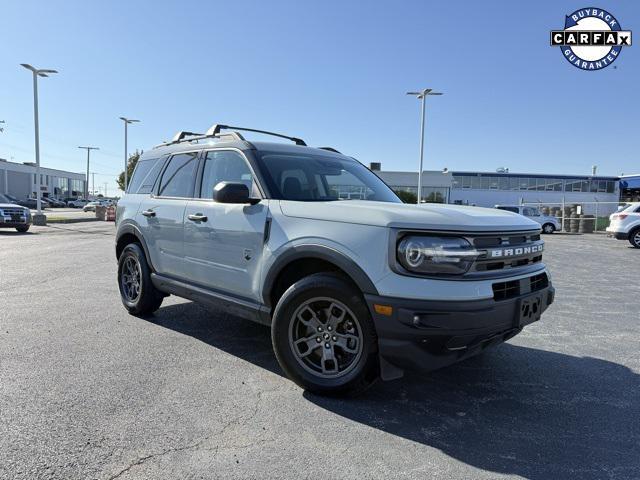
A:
<point x="39" y="218"/>
<point x="86" y="185"/>
<point x="126" y="121"/>
<point x="93" y="182"/>
<point x="105" y="189"/>
<point x="422" y="96"/>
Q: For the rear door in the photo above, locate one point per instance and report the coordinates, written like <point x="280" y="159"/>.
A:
<point x="224" y="247"/>
<point x="161" y="215"/>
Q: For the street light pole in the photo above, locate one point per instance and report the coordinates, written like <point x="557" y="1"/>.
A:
<point x="39" y="218"/>
<point x="422" y="96"/>
<point x="126" y="121"/>
<point x="86" y="184"/>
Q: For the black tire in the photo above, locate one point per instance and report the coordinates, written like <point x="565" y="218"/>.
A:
<point x="23" y="229"/>
<point x="329" y="293"/>
<point x="548" y="228"/>
<point x="634" y="238"/>
<point x="145" y="299"/>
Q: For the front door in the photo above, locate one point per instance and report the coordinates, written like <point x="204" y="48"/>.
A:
<point x="161" y="216"/>
<point x="224" y="242"/>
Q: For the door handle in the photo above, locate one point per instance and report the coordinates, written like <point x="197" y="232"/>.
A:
<point x="149" y="213"/>
<point x="197" y="217"/>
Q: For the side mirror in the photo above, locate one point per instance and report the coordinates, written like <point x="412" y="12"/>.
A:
<point x="229" y="192"/>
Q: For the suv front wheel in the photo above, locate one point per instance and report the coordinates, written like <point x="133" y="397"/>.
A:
<point x="137" y="293"/>
<point x="323" y="336"/>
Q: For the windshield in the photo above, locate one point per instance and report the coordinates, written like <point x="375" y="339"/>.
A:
<point x="309" y="177"/>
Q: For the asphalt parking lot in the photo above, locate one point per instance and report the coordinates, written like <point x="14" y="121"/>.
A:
<point x="87" y="391"/>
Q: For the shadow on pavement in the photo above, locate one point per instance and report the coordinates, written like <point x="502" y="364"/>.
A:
<point x="513" y="410"/>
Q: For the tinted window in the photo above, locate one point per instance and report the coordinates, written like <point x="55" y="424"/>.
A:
<point x="226" y="166"/>
<point x="178" y="178"/>
<point x="144" y="176"/>
<point x="530" y="212"/>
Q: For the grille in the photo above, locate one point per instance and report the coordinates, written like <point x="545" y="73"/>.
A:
<point x="13" y="211"/>
<point x="515" y="288"/>
<point x="523" y="246"/>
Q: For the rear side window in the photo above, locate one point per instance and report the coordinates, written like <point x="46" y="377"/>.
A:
<point x="179" y="176"/>
<point x="145" y="175"/>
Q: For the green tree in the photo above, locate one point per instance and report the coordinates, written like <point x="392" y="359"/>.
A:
<point x="406" y="197"/>
<point x="131" y="165"/>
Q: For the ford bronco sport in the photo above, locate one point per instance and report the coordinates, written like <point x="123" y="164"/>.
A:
<point x="353" y="290"/>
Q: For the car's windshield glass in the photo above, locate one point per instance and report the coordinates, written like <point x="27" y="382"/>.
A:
<point x="312" y="177"/>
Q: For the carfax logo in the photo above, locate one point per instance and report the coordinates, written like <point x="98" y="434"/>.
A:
<point x="592" y="38"/>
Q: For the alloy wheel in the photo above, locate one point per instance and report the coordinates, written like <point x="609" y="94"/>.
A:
<point x="636" y="239"/>
<point x="131" y="279"/>
<point x="325" y="337"/>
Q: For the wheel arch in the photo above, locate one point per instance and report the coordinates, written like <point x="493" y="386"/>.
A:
<point x="129" y="233"/>
<point x="302" y="260"/>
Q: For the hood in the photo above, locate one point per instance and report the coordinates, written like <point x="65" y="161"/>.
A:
<point x="429" y="216"/>
<point x="11" y="205"/>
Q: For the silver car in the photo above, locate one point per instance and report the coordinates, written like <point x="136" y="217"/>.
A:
<point x="548" y="223"/>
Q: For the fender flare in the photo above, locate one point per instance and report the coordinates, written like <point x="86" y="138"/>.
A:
<point x="319" y="252"/>
<point x="130" y="228"/>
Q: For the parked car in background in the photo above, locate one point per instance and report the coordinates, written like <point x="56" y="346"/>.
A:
<point x="14" y="216"/>
<point x="55" y="203"/>
<point x="91" y="206"/>
<point x="6" y="198"/>
<point x="548" y="223"/>
<point x="33" y="203"/>
<point x="625" y="224"/>
<point x="77" y="203"/>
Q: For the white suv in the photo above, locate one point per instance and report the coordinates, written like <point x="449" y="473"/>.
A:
<point x="353" y="289"/>
<point x="625" y="225"/>
<point x="549" y="224"/>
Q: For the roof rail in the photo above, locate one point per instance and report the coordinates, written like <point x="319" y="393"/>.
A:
<point x="330" y="149"/>
<point x="215" y="130"/>
<point x="184" y="136"/>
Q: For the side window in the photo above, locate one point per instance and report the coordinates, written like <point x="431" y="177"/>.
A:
<point x="179" y="176"/>
<point x="226" y="166"/>
<point x="144" y="176"/>
<point x="529" y="212"/>
<point x="509" y="209"/>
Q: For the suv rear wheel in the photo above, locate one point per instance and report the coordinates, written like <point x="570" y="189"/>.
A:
<point x="634" y="238"/>
<point x="23" y="229"/>
<point x="137" y="293"/>
<point x="323" y="336"/>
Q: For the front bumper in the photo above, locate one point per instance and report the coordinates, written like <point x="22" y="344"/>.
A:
<point x="9" y="222"/>
<point x="427" y="335"/>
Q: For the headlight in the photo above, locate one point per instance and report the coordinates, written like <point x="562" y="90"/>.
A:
<point x="27" y="213"/>
<point x="436" y="255"/>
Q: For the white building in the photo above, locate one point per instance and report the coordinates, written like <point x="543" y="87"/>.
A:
<point x="20" y="181"/>
<point x="487" y="189"/>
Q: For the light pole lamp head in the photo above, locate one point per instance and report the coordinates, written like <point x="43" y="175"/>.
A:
<point x="42" y="72"/>
<point x="128" y="120"/>
<point x="424" y="93"/>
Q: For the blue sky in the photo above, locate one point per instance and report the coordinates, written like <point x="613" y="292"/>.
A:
<point x="332" y="72"/>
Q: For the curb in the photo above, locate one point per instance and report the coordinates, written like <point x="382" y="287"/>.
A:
<point x="72" y="220"/>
